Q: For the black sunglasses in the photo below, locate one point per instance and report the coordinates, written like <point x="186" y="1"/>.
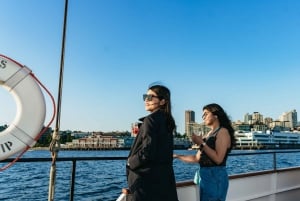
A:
<point x="149" y="97"/>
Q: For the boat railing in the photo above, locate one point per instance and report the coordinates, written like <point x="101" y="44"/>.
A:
<point x="74" y="160"/>
<point x="65" y="159"/>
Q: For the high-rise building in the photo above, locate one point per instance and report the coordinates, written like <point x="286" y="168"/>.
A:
<point x="290" y="119"/>
<point x="189" y="116"/>
<point x="248" y="118"/>
<point x="254" y="118"/>
<point x="189" y="120"/>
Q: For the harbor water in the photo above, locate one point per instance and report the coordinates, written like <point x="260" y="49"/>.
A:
<point x="104" y="180"/>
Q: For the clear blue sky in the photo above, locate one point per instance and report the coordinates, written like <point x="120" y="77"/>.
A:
<point x="244" y="55"/>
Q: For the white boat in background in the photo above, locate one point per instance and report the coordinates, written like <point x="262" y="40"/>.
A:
<point x="267" y="140"/>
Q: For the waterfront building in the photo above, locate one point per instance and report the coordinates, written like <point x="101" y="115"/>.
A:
<point x="189" y="122"/>
<point x="111" y="142"/>
<point x="247" y="118"/>
<point x="257" y="118"/>
<point x="254" y="118"/>
<point x="189" y="116"/>
<point x="192" y="127"/>
<point x="268" y="121"/>
<point x="94" y="142"/>
<point x="290" y="119"/>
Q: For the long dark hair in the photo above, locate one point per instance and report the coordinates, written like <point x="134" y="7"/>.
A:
<point x="223" y="119"/>
<point x="164" y="93"/>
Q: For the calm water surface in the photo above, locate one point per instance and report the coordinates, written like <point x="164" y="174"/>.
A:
<point x="103" y="180"/>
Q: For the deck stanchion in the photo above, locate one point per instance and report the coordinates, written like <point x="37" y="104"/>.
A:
<point x="55" y="143"/>
<point x="73" y="180"/>
<point x="274" y="161"/>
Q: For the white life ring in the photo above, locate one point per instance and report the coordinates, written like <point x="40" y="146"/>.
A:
<point x="31" y="107"/>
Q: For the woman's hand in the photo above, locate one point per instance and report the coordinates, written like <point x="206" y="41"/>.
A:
<point x="197" y="139"/>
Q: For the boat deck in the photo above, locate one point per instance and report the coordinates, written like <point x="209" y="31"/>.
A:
<point x="273" y="185"/>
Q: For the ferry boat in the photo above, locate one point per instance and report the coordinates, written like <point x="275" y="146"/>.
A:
<point x="267" y="140"/>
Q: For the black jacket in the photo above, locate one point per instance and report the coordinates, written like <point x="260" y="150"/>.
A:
<point x="150" y="172"/>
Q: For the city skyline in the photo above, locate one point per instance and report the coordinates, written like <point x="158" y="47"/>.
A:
<point x="242" y="119"/>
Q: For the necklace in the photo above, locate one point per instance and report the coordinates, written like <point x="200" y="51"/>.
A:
<point x="215" y="131"/>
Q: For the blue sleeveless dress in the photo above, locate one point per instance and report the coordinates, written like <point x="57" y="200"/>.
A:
<point x="214" y="178"/>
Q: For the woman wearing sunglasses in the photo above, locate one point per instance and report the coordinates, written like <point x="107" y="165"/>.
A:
<point x="150" y="174"/>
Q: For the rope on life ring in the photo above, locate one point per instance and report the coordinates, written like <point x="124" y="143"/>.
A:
<point x="27" y="127"/>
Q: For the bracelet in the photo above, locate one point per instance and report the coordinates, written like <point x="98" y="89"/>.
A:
<point x="202" y="145"/>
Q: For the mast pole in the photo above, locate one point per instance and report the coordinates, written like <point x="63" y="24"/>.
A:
<point x="55" y="143"/>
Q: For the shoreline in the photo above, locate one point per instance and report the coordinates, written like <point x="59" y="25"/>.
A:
<point x="117" y="149"/>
